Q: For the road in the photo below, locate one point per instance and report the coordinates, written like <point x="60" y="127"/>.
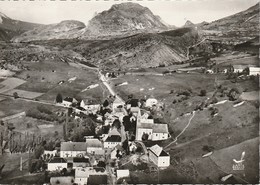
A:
<point x="110" y="89"/>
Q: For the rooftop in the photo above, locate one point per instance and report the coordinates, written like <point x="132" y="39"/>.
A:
<point x="158" y="151"/>
<point x="58" y="160"/>
<point x="95" y="143"/>
<point x="160" y="128"/>
<point x="73" y="146"/>
<point x="113" y="138"/>
<point x="80" y="160"/>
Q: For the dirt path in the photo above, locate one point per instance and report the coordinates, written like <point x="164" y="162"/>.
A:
<point x="193" y="114"/>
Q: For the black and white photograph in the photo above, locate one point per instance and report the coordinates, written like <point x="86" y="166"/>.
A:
<point x="109" y="92"/>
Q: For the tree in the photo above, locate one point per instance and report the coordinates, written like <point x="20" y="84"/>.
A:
<point x="101" y="164"/>
<point x="145" y="137"/>
<point x="203" y="92"/>
<point x="106" y="103"/>
<point x="233" y="94"/>
<point x="117" y="124"/>
<point x="59" y="98"/>
<point x="15" y="94"/>
<point x="125" y="145"/>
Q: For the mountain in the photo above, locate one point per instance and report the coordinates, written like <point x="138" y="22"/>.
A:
<point x="120" y="20"/>
<point x="242" y="25"/>
<point x="125" y="17"/>
<point x="10" y="27"/>
<point x="188" y="24"/>
<point x="68" y="29"/>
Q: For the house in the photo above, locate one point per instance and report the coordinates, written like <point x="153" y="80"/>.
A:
<point x="239" y="68"/>
<point x="94" y="146"/>
<point x="117" y="104"/>
<point x="51" y="153"/>
<point x="114" y="151"/>
<point x="254" y="71"/>
<point x="150" y="102"/>
<point x="80" y="162"/>
<point x="57" y="163"/>
<point x="158" y="156"/>
<point x="155" y="131"/>
<point x="80" y="110"/>
<point x="135" y="111"/>
<point x="64" y="180"/>
<point x="93" y="108"/>
<point x="111" y="141"/>
<point x="160" y="132"/>
<point x="81" y="176"/>
<point x="97" y="179"/>
<point x="122" y="173"/>
<point x="73" y="149"/>
<point x="144" y="126"/>
<point x="67" y="102"/>
<point x="87" y="175"/>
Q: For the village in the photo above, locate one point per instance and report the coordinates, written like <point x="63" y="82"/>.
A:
<point x="126" y="125"/>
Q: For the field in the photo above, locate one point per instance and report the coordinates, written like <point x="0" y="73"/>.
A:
<point x="22" y="93"/>
<point x="51" y="78"/>
<point x="10" y="83"/>
<point x="253" y="95"/>
<point x="229" y="59"/>
<point x="161" y="86"/>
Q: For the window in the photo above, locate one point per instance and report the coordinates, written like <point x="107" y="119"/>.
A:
<point x="156" y="134"/>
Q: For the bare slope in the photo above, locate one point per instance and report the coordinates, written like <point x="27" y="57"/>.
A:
<point x="10" y="27"/>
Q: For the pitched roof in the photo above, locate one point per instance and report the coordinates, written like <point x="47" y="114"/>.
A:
<point x="97" y="179"/>
<point x="114" y="132"/>
<point x="95" y="143"/>
<point x="145" y="123"/>
<point x="158" y="151"/>
<point x="73" y="146"/>
<point x="117" y="101"/>
<point x="58" y="160"/>
<point x="119" y="147"/>
<point x="69" y="99"/>
<point x="113" y="138"/>
<point x="160" y="128"/>
<point x="80" y="160"/>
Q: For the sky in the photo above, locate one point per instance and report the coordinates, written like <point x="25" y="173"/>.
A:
<point x="173" y="12"/>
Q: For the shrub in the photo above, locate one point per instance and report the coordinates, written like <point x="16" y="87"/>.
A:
<point x="15" y="94"/>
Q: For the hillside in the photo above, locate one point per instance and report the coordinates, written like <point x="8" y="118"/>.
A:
<point x="10" y="27"/>
<point x="242" y="26"/>
<point x="64" y="30"/>
<point x="137" y="51"/>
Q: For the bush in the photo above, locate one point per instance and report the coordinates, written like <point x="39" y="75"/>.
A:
<point x="44" y="109"/>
